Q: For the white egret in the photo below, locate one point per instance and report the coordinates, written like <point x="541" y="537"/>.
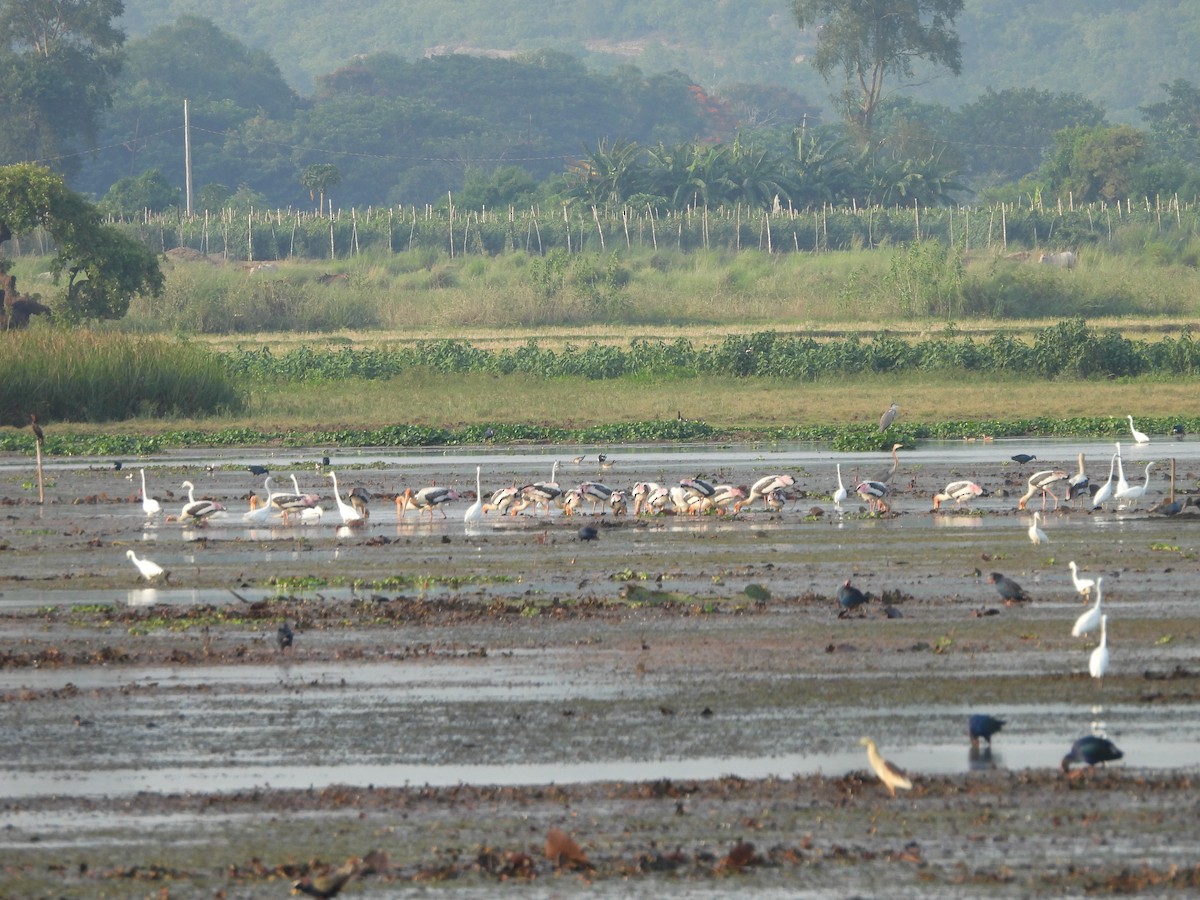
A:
<point x="1139" y="437"/>
<point x="1082" y="585"/>
<point x="1105" y="493"/>
<point x="1134" y="492"/>
<point x="150" y="570"/>
<point x="1036" y="535"/>
<point x="1090" y="619"/>
<point x="1122" y="484"/>
<point x="840" y="494"/>
<point x="475" y="511"/>
<point x="1098" y="663"/>
<point x="350" y="515"/>
<point x="150" y="506"/>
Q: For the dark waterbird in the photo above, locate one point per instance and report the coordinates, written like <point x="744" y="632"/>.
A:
<point x="284" y="636"/>
<point x="1091" y="751"/>
<point x="1023" y="458"/>
<point x="1009" y="589"/>
<point x="981" y="726"/>
<point x="588" y="533"/>
<point x="258" y="470"/>
<point x="849" y="599"/>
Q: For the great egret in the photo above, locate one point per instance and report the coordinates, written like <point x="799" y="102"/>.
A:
<point x="150" y="506"/>
<point x="1098" y="662"/>
<point x="891" y="776"/>
<point x="475" y="511"/>
<point x="1139" y="437"/>
<point x="350" y="515"/>
<point x="1105" y="493"/>
<point x="1134" y="492"/>
<point x="1092" y="617"/>
<point x="840" y="494"/>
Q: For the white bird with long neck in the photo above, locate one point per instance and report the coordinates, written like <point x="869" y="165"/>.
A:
<point x="1082" y="585"/>
<point x="1036" y="535"/>
<point x="475" y="511"/>
<point x="1135" y="492"/>
<point x="259" y="512"/>
<point x="350" y="515"/>
<point x="840" y="494"/>
<point x="1098" y="662"/>
<point x="1105" y="493"/>
<point x="150" y="570"/>
<point x="1092" y="618"/>
<point x="1139" y="437"/>
<point x="150" y="506"/>
<point x="1122" y="484"/>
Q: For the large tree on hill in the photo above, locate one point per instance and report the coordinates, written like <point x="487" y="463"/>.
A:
<point x="872" y="41"/>
<point x="58" y="59"/>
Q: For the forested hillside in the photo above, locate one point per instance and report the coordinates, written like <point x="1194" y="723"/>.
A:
<point x="1114" y="52"/>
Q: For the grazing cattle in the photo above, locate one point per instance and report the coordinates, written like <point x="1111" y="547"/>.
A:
<point x="20" y="310"/>
<point x="1064" y="259"/>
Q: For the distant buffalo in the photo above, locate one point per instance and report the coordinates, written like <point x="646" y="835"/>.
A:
<point x="1064" y="259"/>
<point x="19" y="312"/>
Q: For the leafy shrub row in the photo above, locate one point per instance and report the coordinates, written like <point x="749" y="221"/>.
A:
<point x="1070" y="348"/>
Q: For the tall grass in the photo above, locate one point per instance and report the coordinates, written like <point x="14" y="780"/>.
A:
<point x="86" y="376"/>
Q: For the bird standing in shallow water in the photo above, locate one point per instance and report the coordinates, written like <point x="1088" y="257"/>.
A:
<point x="1105" y="493"/>
<point x="981" y="727"/>
<point x="1139" y="437"/>
<point x="1090" y="619"/>
<point x="1009" y="589"/>
<point x="150" y="570"/>
<point x="1082" y="585"/>
<point x="150" y="506"/>
<point x="1036" y="535"/>
<point x="284" y="636"/>
<point x="891" y="776"/>
<point x="1098" y="663"/>
<point x="840" y="494"/>
<point x="1091" y="751"/>
<point x="849" y="599"/>
<point x="1043" y="481"/>
<point x="959" y="491"/>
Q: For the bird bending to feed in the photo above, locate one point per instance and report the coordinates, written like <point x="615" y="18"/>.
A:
<point x="284" y="636"/>
<point x="475" y="511"/>
<point x="150" y="570"/>
<point x="350" y="515"/>
<point x="981" y="727"/>
<point x="1023" y="458"/>
<point x="1082" y="585"/>
<point x="840" y="494"/>
<point x="1092" y="617"/>
<point x="325" y="886"/>
<point x="875" y="494"/>
<point x="359" y="498"/>
<point x="891" y="776"/>
<point x="1098" y="662"/>
<point x="1009" y="589"/>
<point x="588" y="533"/>
<point x="1043" y="481"/>
<point x="197" y="509"/>
<point x="959" y="491"/>
<point x="1078" y="485"/>
<point x="1036" y="535"/>
<point x="428" y="499"/>
<point x="258" y="470"/>
<point x="1139" y="437"/>
<point x="1105" y="493"/>
<point x="889" y="416"/>
<point x="766" y="485"/>
<point x="849" y="599"/>
<point x="1134" y="492"/>
<point x="150" y="506"/>
<point x="1091" y="751"/>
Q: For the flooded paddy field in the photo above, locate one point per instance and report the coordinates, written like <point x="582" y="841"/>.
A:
<point x="664" y="693"/>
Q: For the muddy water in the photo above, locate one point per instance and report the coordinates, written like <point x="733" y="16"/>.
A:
<point x="572" y="679"/>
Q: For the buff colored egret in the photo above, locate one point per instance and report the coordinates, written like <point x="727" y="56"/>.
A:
<point x="840" y="495"/>
<point x="475" y="511"/>
<point x="890" y="775"/>
<point x="1098" y="662"/>
<point x="981" y="727"/>
<point x="350" y="516"/>
<point x="1093" y="616"/>
<point x="150" y="506"/>
<point x="1036" y="535"/>
<point x="1139" y="437"/>
<point x="1082" y="585"/>
<point x="150" y="570"/>
<point x="1091" y="751"/>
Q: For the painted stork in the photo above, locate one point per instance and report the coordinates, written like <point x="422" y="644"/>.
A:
<point x="959" y="491"/>
<point x="765" y="485"/>
<point x="197" y="509"/>
<point x="428" y="499"/>
<point x="1078" y="485"/>
<point x="1043" y="481"/>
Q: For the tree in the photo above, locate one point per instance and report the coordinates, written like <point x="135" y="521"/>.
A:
<point x="319" y="178"/>
<point x="874" y="40"/>
<point x="148" y="191"/>
<point x="1095" y="163"/>
<point x="58" y="59"/>
<point x="104" y="267"/>
<point x="1175" y="122"/>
